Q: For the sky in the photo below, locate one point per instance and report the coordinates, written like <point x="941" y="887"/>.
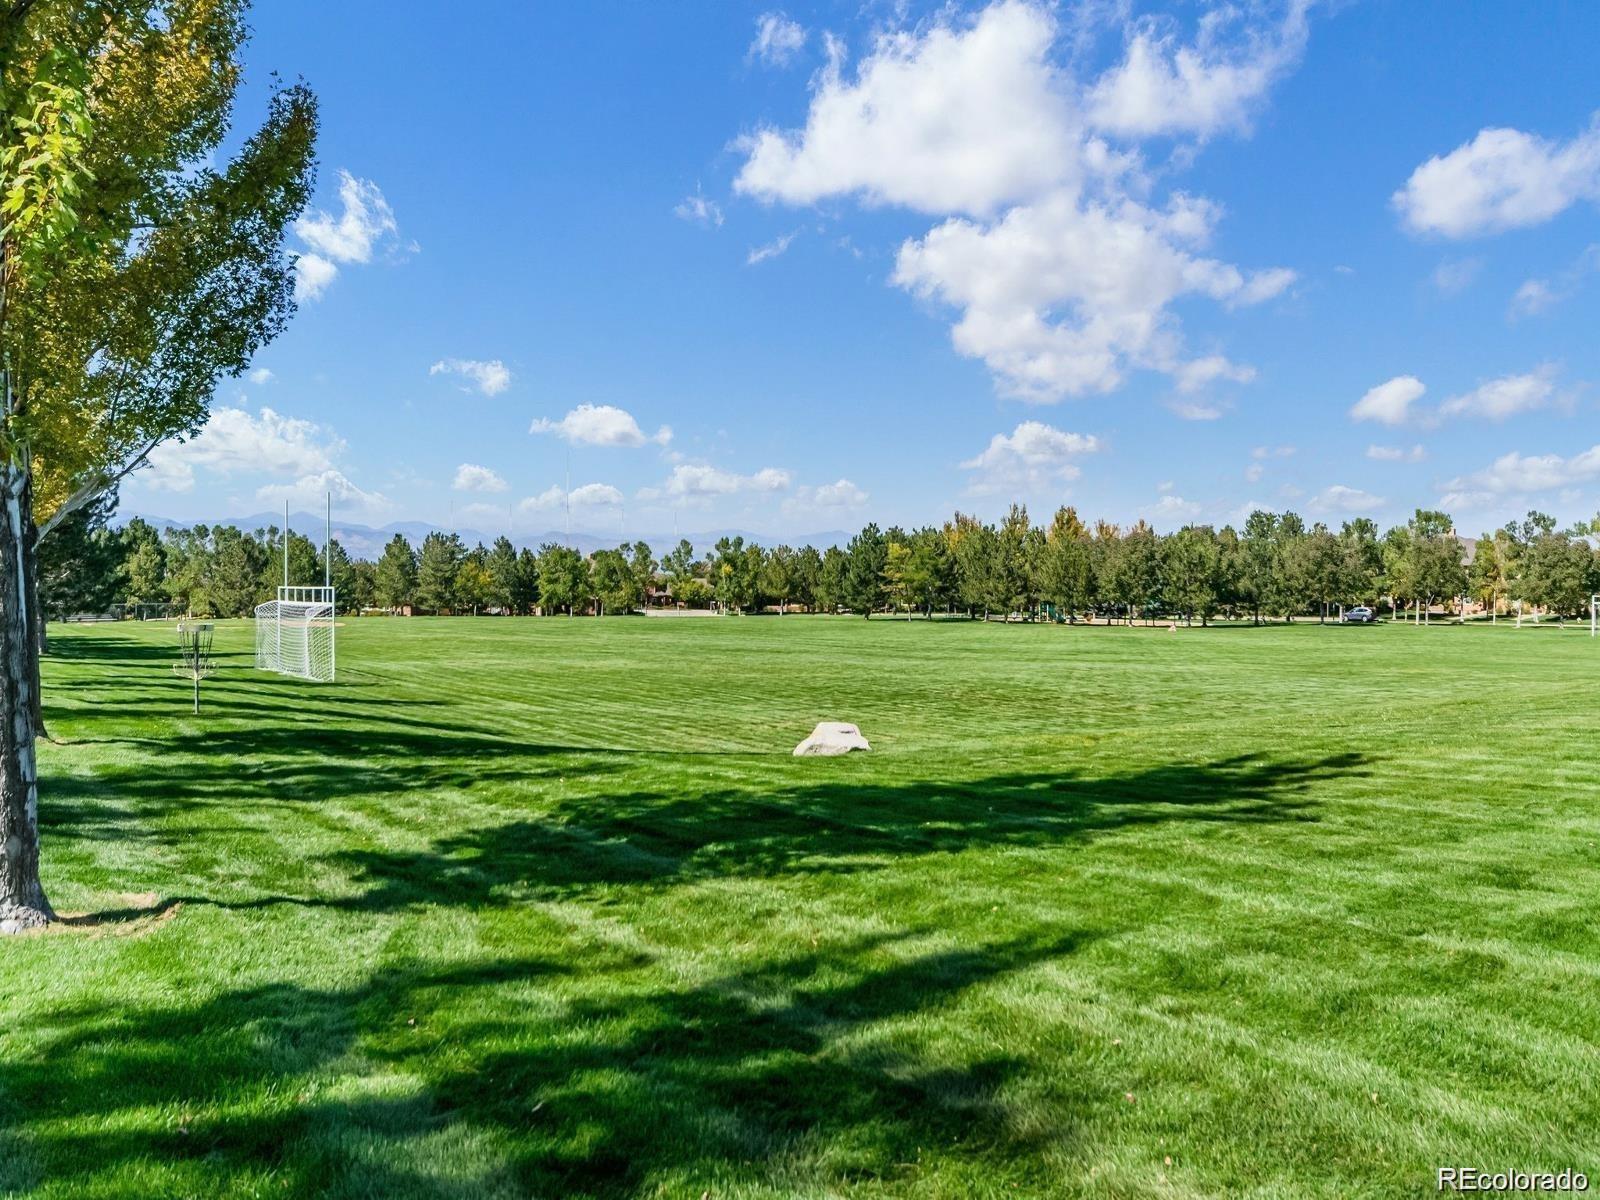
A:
<point x="705" y="266"/>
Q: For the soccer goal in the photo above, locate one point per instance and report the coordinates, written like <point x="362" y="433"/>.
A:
<point x="295" y="633"/>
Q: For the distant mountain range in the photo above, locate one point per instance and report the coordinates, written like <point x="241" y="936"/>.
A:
<point x="364" y="541"/>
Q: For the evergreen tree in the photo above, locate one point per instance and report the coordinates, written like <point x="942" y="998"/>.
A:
<point x="395" y="581"/>
<point x="437" y="566"/>
<point x="80" y="565"/>
<point x="866" y="557"/>
<point x="503" y="568"/>
<point x="525" y="583"/>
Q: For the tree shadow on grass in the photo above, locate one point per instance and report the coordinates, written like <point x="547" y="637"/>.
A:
<point x="586" y="1077"/>
<point x="652" y="838"/>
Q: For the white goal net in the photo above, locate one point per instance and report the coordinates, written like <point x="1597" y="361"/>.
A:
<point x="295" y="633"/>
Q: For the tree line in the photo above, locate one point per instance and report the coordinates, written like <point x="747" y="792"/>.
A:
<point x="1275" y="566"/>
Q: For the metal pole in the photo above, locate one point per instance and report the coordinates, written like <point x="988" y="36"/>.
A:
<point x="286" y="543"/>
<point x="327" y="548"/>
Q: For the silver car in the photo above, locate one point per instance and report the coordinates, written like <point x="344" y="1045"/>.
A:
<point x="1359" y="615"/>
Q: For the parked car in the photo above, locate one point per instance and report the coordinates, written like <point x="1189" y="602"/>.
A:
<point x="1359" y="615"/>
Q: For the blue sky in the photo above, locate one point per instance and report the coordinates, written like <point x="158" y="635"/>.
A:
<point x="793" y="269"/>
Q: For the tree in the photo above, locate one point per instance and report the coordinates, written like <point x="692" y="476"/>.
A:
<point x="612" y="581"/>
<point x="144" y="563"/>
<point x="928" y="569"/>
<point x="1489" y="575"/>
<point x="974" y="547"/>
<point x="395" y="585"/>
<point x="642" y="568"/>
<point x="525" y="583"/>
<point x="1064" y="564"/>
<point x="1192" y="562"/>
<point x="474" y="585"/>
<point x="437" y="566"/>
<point x="778" y="576"/>
<point x="729" y="567"/>
<point x="81" y="567"/>
<point x="896" y="575"/>
<point x="237" y="565"/>
<point x="831" y="572"/>
<point x="563" y="578"/>
<point x="865" y="559"/>
<point x="503" y="567"/>
<point x="133" y="277"/>
<point x="1257" y="547"/>
<point x="807" y="576"/>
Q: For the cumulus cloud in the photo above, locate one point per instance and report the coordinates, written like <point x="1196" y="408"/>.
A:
<point x="1390" y="402"/>
<point x="699" y="209"/>
<point x="1171" y="507"/>
<point x="1032" y="456"/>
<point x="840" y="494"/>
<point x="778" y="39"/>
<point x="693" y="482"/>
<point x="1342" y="499"/>
<point x="261" y="375"/>
<point x="1062" y="270"/>
<point x="312" y="490"/>
<point x="772" y="249"/>
<point x="954" y="119"/>
<point x="1505" y="397"/>
<point x="236" y="441"/>
<point x="588" y="495"/>
<point x="1196" y="410"/>
<point x="1396" y="453"/>
<point x="1163" y="86"/>
<point x="364" y="222"/>
<point x="1061" y="297"/>
<point x="489" y="377"/>
<point x="1519" y="473"/>
<point x="312" y="275"/>
<point x="1502" y="179"/>
<point x="600" y="425"/>
<point x="472" y="478"/>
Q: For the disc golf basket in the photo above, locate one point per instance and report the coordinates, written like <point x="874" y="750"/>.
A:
<point x="194" y="644"/>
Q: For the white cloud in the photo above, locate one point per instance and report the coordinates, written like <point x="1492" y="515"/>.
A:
<point x="236" y="442"/>
<point x="312" y="275"/>
<point x="1396" y="453"/>
<point x="771" y="249"/>
<point x="1254" y="472"/>
<point x="1032" y="456"/>
<point x="960" y="118"/>
<point x="1263" y="452"/>
<point x="1456" y="274"/>
<point x="311" y="490"/>
<point x="1505" y="397"/>
<point x="1389" y="403"/>
<point x="1514" y="472"/>
<point x="1164" y="87"/>
<point x="1502" y="179"/>
<point x="490" y="377"/>
<point x="697" y="482"/>
<point x="261" y="375"/>
<point x="1061" y="298"/>
<point x="1172" y="508"/>
<point x="1196" y="410"/>
<point x="472" y="478"/>
<point x="350" y="237"/>
<point x="365" y="221"/>
<point x="1071" y="286"/>
<point x="1537" y="295"/>
<point x="778" y="39"/>
<point x="1342" y="499"/>
<point x="699" y="209"/>
<point x="1533" y="297"/>
<point x="841" y="494"/>
<point x="588" y="495"/>
<point x="600" y="425"/>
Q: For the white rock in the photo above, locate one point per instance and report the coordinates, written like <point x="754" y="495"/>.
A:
<point x="831" y="738"/>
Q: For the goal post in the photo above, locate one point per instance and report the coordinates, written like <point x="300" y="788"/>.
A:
<point x="295" y="634"/>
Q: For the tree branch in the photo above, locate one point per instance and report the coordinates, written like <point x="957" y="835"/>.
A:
<point x="94" y="489"/>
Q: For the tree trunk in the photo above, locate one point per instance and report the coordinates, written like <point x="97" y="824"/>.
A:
<point x="36" y="618"/>
<point x="22" y="901"/>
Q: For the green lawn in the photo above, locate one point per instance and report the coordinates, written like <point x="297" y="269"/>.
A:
<point x="546" y="908"/>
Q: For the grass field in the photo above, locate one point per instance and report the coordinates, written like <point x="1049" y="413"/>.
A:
<point x="545" y="908"/>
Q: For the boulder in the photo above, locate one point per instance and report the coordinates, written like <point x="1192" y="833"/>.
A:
<point x="831" y="738"/>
